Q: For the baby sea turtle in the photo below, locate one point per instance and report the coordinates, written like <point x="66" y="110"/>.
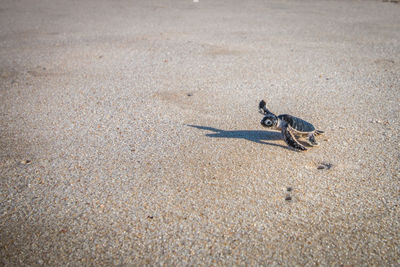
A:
<point x="291" y="127"/>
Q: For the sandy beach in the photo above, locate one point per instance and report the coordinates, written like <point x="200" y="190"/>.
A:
<point x="130" y="133"/>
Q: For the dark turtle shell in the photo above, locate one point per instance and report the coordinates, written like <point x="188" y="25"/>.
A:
<point x="297" y="123"/>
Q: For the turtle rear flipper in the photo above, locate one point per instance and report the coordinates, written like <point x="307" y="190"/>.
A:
<point x="311" y="140"/>
<point x="318" y="132"/>
<point x="290" y="139"/>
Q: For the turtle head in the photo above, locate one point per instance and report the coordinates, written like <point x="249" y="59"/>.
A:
<point x="269" y="120"/>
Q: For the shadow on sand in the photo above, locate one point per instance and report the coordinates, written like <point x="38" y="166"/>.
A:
<point x="259" y="137"/>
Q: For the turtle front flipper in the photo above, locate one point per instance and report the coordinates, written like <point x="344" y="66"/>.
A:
<point x="262" y="106"/>
<point x="290" y="139"/>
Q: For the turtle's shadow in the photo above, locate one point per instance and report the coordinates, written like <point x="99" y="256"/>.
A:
<point x="259" y="137"/>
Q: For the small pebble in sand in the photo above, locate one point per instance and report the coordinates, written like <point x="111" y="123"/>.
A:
<point x="288" y="198"/>
<point x="26" y="161"/>
<point x="375" y="121"/>
<point x="324" y="166"/>
<point x="289" y="189"/>
<point x="189" y="94"/>
<point x="150" y="217"/>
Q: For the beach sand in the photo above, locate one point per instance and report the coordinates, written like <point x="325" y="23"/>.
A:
<point x="130" y="133"/>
